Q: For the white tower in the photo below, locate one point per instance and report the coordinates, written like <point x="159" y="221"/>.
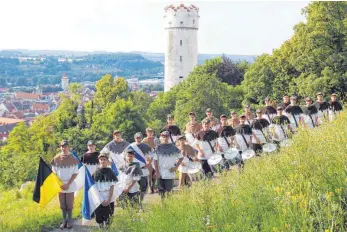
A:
<point x="181" y="54"/>
<point x="65" y="83"/>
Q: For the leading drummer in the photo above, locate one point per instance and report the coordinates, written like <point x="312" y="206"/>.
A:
<point x="294" y="113"/>
<point x="206" y="145"/>
<point x="259" y="128"/>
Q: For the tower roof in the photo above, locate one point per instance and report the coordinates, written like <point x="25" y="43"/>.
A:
<point x="64" y="76"/>
<point x="182" y="6"/>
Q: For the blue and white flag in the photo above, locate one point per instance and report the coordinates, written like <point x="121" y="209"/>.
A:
<point x="139" y="156"/>
<point x="91" y="198"/>
<point x="114" y="168"/>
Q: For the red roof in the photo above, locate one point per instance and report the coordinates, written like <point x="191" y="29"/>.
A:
<point x="23" y="95"/>
<point x="40" y="107"/>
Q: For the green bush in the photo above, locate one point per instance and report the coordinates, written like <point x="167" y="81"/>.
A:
<point x="302" y="188"/>
<point x="18" y="212"/>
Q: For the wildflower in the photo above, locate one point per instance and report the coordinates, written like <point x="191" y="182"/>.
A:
<point x="277" y="189"/>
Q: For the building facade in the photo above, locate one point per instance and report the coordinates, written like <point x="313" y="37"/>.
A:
<point x="181" y="53"/>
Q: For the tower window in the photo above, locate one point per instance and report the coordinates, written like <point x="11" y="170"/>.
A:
<point x="181" y="58"/>
<point x="181" y="42"/>
<point x="181" y="22"/>
<point x="193" y="21"/>
<point x="181" y="77"/>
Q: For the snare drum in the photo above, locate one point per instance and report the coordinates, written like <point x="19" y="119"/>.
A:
<point x="269" y="147"/>
<point x="215" y="159"/>
<point x="231" y="154"/>
<point x="193" y="167"/>
<point x="247" y="154"/>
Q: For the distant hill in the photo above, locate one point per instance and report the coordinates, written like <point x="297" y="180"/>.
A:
<point x="148" y="55"/>
<point x="201" y="58"/>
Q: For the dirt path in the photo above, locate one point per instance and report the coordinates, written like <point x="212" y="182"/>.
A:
<point x="78" y="227"/>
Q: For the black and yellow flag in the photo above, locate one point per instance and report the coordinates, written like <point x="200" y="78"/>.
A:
<point x="47" y="184"/>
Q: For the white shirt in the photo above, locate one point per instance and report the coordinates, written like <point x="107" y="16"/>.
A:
<point x="165" y="162"/>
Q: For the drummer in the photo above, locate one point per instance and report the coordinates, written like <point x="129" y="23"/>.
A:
<point x="189" y="155"/>
<point x="226" y="136"/>
<point x="243" y="137"/>
<point x="335" y="107"/>
<point x="206" y="146"/>
<point x="294" y="113"/>
<point x="259" y="126"/>
<point x="269" y="110"/>
<point x="172" y="129"/>
<point x="249" y="114"/>
<point x="311" y="114"/>
<point x="281" y="124"/>
<point x="192" y="127"/>
<point x="322" y="106"/>
<point x="234" y="120"/>
<point x="214" y="123"/>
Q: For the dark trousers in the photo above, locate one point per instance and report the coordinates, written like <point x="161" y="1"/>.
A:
<point x="206" y="169"/>
<point x="258" y="148"/>
<point x="154" y="181"/>
<point x="165" y="185"/>
<point x="66" y="201"/>
<point x="143" y="182"/>
<point x="103" y="213"/>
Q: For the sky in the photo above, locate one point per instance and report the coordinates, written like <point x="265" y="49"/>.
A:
<point x="231" y="27"/>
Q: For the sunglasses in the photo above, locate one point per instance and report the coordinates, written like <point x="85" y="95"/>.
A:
<point x="63" y="146"/>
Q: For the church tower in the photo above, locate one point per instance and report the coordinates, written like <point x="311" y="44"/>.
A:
<point x="65" y="83"/>
<point x="181" y="53"/>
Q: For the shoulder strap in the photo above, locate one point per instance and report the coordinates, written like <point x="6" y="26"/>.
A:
<point x="209" y="143"/>
<point x="311" y="120"/>
<point x="244" y="139"/>
<point x="296" y="122"/>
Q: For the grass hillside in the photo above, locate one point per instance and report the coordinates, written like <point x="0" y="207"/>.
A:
<point x="302" y="188"/>
<point x="18" y="212"/>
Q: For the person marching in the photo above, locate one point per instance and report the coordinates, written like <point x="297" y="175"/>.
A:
<point x="311" y="114"/>
<point x="259" y="125"/>
<point x="335" y="107"/>
<point x="234" y="120"/>
<point x="133" y="173"/>
<point x="294" y="113"/>
<point x="214" y="122"/>
<point x="281" y="125"/>
<point x="152" y="141"/>
<point x="226" y="138"/>
<point x="269" y="111"/>
<point x="116" y="148"/>
<point x="105" y="180"/>
<point x="249" y="114"/>
<point x="323" y="108"/>
<point x="192" y="128"/>
<point x="90" y="158"/>
<point x="172" y="129"/>
<point x="285" y="102"/>
<point x="243" y="137"/>
<point x="142" y="156"/>
<point x="165" y="157"/>
<point x="189" y="155"/>
<point x="65" y="166"/>
<point x="207" y="140"/>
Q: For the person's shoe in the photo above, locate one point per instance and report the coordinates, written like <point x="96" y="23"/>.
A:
<point x="62" y="225"/>
<point x="69" y="225"/>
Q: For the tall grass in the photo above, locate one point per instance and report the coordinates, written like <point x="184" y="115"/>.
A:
<point x="18" y="212"/>
<point x="302" y="188"/>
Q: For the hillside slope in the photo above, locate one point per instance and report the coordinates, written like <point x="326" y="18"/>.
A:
<point x="302" y="188"/>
